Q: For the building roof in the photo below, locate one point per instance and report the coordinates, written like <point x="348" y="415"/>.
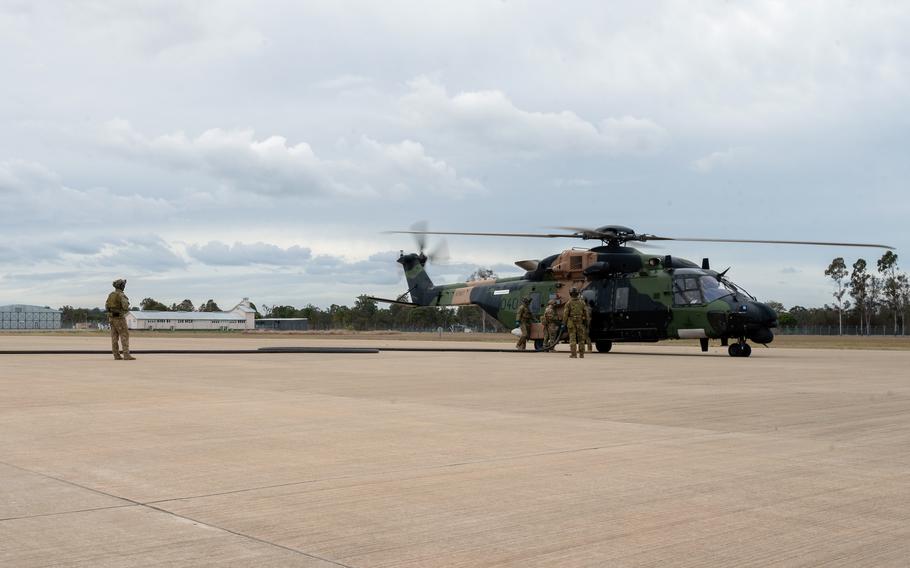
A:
<point x="211" y="316"/>
<point x="283" y="319"/>
<point x="244" y="306"/>
<point x="27" y="308"/>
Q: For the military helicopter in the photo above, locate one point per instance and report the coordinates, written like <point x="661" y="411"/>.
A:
<point x="635" y="296"/>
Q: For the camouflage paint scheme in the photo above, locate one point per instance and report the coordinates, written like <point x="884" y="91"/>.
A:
<point x="635" y="296"/>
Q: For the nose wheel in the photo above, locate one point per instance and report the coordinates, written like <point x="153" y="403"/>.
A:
<point x="740" y="349"/>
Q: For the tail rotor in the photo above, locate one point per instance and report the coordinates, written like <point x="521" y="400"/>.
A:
<point x="439" y="253"/>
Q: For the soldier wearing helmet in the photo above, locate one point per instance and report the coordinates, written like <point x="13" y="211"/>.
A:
<point x="574" y="318"/>
<point x="524" y="317"/>
<point x="116" y="306"/>
<point x="550" y="321"/>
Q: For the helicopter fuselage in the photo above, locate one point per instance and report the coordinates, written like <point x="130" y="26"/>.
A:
<point x="634" y="296"/>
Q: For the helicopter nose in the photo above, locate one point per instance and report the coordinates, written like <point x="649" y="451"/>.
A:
<point x="761" y="319"/>
<point x="764" y="315"/>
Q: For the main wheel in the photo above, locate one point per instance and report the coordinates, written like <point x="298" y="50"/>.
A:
<point x="734" y="350"/>
<point x="603" y="346"/>
<point x="745" y="350"/>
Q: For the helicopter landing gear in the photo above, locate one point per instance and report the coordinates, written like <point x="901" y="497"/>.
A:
<point x="603" y="346"/>
<point x="739" y="349"/>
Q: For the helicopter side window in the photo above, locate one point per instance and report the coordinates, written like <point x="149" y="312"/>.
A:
<point x="686" y="291"/>
<point x="621" y="298"/>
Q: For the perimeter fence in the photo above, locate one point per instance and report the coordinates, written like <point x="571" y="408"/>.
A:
<point x="876" y="330"/>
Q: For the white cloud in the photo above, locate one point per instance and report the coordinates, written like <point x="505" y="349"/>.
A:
<point x="243" y="254"/>
<point x="491" y="118"/>
<point x="271" y="166"/>
<point x="21" y="176"/>
<point x="719" y="160"/>
<point x="144" y="254"/>
<point x="345" y="83"/>
<point x="37" y="195"/>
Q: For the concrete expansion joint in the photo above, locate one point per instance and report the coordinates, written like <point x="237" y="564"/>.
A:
<point x="134" y="503"/>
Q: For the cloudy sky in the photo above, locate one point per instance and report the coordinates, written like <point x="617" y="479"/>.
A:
<point x="226" y="149"/>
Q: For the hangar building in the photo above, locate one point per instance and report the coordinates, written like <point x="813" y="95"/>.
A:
<point x="240" y="318"/>
<point x="19" y="316"/>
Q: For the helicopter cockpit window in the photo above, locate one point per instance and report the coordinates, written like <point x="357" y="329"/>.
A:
<point x="686" y="291"/>
<point x="712" y="288"/>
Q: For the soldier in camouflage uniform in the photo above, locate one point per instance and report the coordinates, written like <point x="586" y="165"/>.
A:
<point x="116" y="306"/>
<point x="574" y="318"/>
<point x="550" y="323"/>
<point x="524" y="318"/>
<point x="586" y="337"/>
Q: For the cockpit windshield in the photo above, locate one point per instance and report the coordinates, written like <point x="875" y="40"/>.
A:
<point x="690" y="289"/>
<point x="713" y="289"/>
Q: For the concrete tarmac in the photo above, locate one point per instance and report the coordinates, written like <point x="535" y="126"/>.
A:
<point x="648" y="456"/>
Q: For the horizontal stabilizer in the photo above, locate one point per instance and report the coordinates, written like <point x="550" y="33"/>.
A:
<point x="388" y="301"/>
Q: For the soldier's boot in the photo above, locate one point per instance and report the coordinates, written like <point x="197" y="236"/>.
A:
<point x="117" y="356"/>
<point x="581" y="352"/>
<point x="126" y="350"/>
<point x="573" y="355"/>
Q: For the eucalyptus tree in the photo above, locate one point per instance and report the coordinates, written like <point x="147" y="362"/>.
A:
<point x="891" y="290"/>
<point x="837" y="271"/>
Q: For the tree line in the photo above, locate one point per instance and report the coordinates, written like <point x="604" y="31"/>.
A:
<point x="366" y="314"/>
<point x="864" y="296"/>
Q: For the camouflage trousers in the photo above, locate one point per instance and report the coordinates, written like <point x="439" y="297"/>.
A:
<point x="584" y="336"/>
<point x="577" y="334"/>
<point x="119" y="331"/>
<point x="549" y="333"/>
<point x="525" y="334"/>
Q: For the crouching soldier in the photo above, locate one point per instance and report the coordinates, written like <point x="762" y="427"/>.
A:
<point x="550" y="323"/>
<point x="524" y="318"/>
<point x="116" y="306"/>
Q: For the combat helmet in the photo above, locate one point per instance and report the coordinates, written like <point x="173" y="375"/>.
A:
<point x="119" y="283"/>
<point x="573" y="292"/>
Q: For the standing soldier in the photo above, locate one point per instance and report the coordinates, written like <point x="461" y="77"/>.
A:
<point x="117" y="305"/>
<point x="574" y="318"/>
<point x="550" y="323"/>
<point x="524" y="317"/>
<point x="587" y="326"/>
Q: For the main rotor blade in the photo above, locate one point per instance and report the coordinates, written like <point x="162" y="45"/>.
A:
<point x="535" y="235"/>
<point x="769" y="242"/>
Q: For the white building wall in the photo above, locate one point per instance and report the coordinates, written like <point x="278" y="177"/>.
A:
<point x="176" y="323"/>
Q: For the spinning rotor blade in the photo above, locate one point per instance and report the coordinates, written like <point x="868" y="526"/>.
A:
<point x="585" y="233"/>
<point x="536" y="235"/>
<point x="419" y="230"/>
<point x="759" y="241"/>
<point x="440" y="253"/>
